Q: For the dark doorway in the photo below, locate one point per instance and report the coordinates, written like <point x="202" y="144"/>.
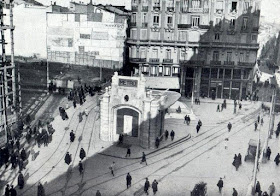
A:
<point x="127" y="119"/>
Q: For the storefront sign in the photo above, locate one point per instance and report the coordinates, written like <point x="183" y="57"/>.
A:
<point x="128" y="83"/>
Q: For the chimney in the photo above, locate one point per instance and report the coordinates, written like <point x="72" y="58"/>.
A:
<point x="90" y="2"/>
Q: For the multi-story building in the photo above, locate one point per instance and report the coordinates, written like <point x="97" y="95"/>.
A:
<point x="211" y="45"/>
<point x="87" y="35"/>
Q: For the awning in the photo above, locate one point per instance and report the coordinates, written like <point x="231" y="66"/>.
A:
<point x="162" y="82"/>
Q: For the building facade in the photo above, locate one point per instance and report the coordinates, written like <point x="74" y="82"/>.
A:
<point x="87" y="35"/>
<point x="211" y="45"/>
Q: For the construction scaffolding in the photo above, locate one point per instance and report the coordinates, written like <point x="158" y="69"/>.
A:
<point x="10" y="106"/>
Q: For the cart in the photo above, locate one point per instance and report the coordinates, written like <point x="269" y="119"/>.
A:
<point x="252" y="150"/>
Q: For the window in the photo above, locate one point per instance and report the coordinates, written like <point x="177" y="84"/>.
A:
<point x="85" y="36"/>
<point x="219" y="6"/>
<point x="167" y="71"/>
<point x="254" y="37"/>
<point x="155" y="53"/>
<point x="143" y="53"/>
<point x="143" y="34"/>
<point x="234" y="6"/>
<point x="169" y="20"/>
<point x="195" y="3"/>
<point x="241" y="57"/>
<point x="246" y="6"/>
<point x="218" y="21"/>
<point x="168" y="35"/>
<point x="175" y="71"/>
<point x="168" y="54"/>
<point x="232" y="23"/>
<point x="244" y="23"/>
<point x="145" y="69"/>
<point x="133" y="18"/>
<point x="170" y="3"/>
<point x="216" y="56"/>
<point x="70" y="42"/>
<point x="156" y="20"/>
<point x="77" y="17"/>
<point x="195" y="21"/>
<point x="155" y="35"/>
<point x="217" y="36"/>
<point x="185" y="5"/>
<point x="133" y="33"/>
<point x="182" y="35"/>
<point x="144" y="17"/>
<point x="229" y="56"/>
<point x="81" y="49"/>
<point x="153" y="70"/>
<point x="183" y="55"/>
<point x="160" y="68"/>
<point x="133" y="52"/>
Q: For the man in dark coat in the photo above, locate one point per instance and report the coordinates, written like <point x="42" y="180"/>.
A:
<point x="7" y="190"/>
<point x="13" y="191"/>
<point x="239" y="158"/>
<point x="234" y="192"/>
<point x="18" y="144"/>
<point x="81" y="167"/>
<point x="256" y="126"/>
<point x="258" y="187"/>
<point x="166" y="134"/>
<point x="20" y="180"/>
<point x="172" y="135"/>
<point x="82" y="154"/>
<point x="277" y="159"/>
<point x="268" y="153"/>
<point x="67" y="158"/>
<point x="199" y="123"/>
<point x="40" y="190"/>
<point x="128" y="180"/>
<point x="147" y="186"/>
<point x="154" y="186"/>
<point x="220" y="184"/>
<point x="72" y="136"/>
<point x="143" y="159"/>
<point x="218" y="108"/>
<point x="23" y="154"/>
<point x="197" y="128"/>
<point x="74" y="103"/>
<point x="229" y="126"/>
<point x="157" y="142"/>
<point x="128" y="152"/>
<point x="20" y="164"/>
<point x="98" y="193"/>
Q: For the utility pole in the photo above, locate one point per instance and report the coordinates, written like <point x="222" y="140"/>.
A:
<point x="48" y="77"/>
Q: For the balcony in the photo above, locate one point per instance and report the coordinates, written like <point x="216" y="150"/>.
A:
<point x="156" y="7"/>
<point x="215" y="62"/>
<point x="245" y="64"/>
<point x="228" y="62"/>
<point x="144" y="8"/>
<point x="154" y="60"/>
<point x="167" y="60"/>
<point x="191" y="62"/>
<point x="184" y="26"/>
<point x="219" y="11"/>
<point x="134" y="8"/>
<point x="137" y="60"/>
<point x="133" y="24"/>
<point x="170" y="9"/>
<point x="196" y="10"/>
<point x="144" y="25"/>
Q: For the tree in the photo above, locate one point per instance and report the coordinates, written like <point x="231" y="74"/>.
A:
<point x="200" y="189"/>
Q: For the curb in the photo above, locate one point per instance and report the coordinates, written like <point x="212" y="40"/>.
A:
<point x="186" y="138"/>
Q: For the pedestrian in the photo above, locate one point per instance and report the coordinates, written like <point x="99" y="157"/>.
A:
<point x="258" y="187"/>
<point x="256" y="126"/>
<point x="13" y="191"/>
<point x="23" y="154"/>
<point x="229" y="126"/>
<point x="98" y="193"/>
<point x="72" y="136"/>
<point x="226" y="143"/>
<point x="154" y="186"/>
<point x="120" y="138"/>
<point x="265" y="194"/>
<point x="20" y="180"/>
<point x="234" y="192"/>
<point x="262" y="121"/>
<point x="225" y="104"/>
<point x="166" y="134"/>
<point x="32" y="152"/>
<point x="271" y="189"/>
<point x="80" y="117"/>
<point x="218" y="108"/>
<point x="186" y="119"/>
<point x="277" y="159"/>
<point x="143" y="159"/>
<point x="128" y="180"/>
<point x="81" y="167"/>
<point x="220" y="184"/>
<point x="112" y="168"/>
<point x="172" y="135"/>
<point x="268" y="153"/>
<point x="128" y="152"/>
<point x="157" y="142"/>
<point x="82" y="154"/>
<point x="147" y="186"/>
<point x="258" y="118"/>
<point x="18" y="144"/>
<point x="7" y="190"/>
<point x="67" y="158"/>
<point x="235" y="162"/>
<point x="240" y="106"/>
<point x="74" y="103"/>
<point x="199" y="123"/>
<point x="40" y="190"/>
<point x="197" y="128"/>
<point x="239" y="158"/>
<point x="20" y="164"/>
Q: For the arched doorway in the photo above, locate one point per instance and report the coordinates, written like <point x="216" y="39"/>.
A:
<point x="127" y="122"/>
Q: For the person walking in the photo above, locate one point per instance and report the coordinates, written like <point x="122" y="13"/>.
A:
<point x="172" y="135"/>
<point x="81" y="167"/>
<point x="67" y="158"/>
<point x="32" y="152"/>
<point x="40" y="190"/>
<point x="220" y="184"/>
<point x="271" y="189"/>
<point x="239" y="158"/>
<point x="23" y="154"/>
<point x="7" y="190"/>
<point x="13" y="191"/>
<point x="234" y="192"/>
<point x="143" y="158"/>
<point x="157" y="142"/>
<point x="147" y="186"/>
<point x="112" y="168"/>
<point x="256" y="126"/>
<point x="199" y="123"/>
<point x="154" y="186"/>
<point x="186" y="119"/>
<point x="197" y="128"/>
<point x="20" y="180"/>
<point x="72" y="136"/>
<point x="258" y="188"/>
<point x="82" y="153"/>
<point x="218" y="108"/>
<point x="128" y="152"/>
<point x="166" y="134"/>
<point x="268" y="153"/>
<point x="229" y="126"/>
<point x="98" y="193"/>
<point x="128" y="180"/>
<point x="277" y="159"/>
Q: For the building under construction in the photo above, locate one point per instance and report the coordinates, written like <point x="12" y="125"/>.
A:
<point x="9" y="88"/>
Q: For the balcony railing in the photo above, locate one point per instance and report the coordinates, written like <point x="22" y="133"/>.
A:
<point x="246" y="64"/>
<point x="134" y="8"/>
<point x="228" y="62"/>
<point x="154" y="60"/>
<point x="144" y="8"/>
<point x="191" y="62"/>
<point x="168" y="60"/>
<point x="184" y="26"/>
<point x="136" y="60"/>
<point x="215" y="62"/>
<point x="133" y="24"/>
<point x="144" y="24"/>
<point x="197" y="10"/>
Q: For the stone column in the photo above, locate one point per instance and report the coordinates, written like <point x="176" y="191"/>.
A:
<point x="104" y="117"/>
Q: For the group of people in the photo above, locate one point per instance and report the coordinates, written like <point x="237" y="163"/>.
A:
<point x="237" y="161"/>
<point x="68" y="159"/>
<point x="172" y="135"/>
<point x="220" y="185"/>
<point x="197" y="101"/>
<point x="63" y="113"/>
<point x="259" y="192"/>
<point x="79" y="94"/>
<point x="187" y="119"/>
